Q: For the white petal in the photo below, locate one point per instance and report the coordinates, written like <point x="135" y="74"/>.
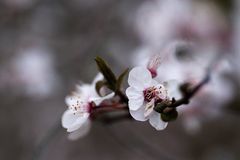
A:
<point x="156" y="121"/>
<point x="85" y="90"/>
<point x="135" y="104"/>
<point x="138" y="114"/>
<point x="72" y="121"/>
<point x="135" y="97"/>
<point x="72" y="100"/>
<point x="154" y="82"/>
<point x="149" y="108"/>
<point x="81" y="132"/>
<point x="98" y="100"/>
<point x="172" y="87"/>
<point x="139" y="78"/>
<point x="132" y="93"/>
<point x="78" y="123"/>
<point x="68" y="119"/>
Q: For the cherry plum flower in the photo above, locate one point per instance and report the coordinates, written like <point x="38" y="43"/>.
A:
<point x="190" y="66"/>
<point x="76" y="118"/>
<point x="144" y="92"/>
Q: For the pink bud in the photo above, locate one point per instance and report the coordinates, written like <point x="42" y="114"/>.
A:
<point x="153" y="64"/>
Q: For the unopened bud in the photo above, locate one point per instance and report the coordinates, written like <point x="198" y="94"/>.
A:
<point x="153" y="64"/>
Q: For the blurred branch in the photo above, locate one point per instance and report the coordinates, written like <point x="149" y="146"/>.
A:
<point x="188" y="95"/>
<point x="39" y="150"/>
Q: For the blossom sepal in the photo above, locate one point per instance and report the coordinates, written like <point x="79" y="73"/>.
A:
<point x="171" y="115"/>
<point x="107" y="73"/>
<point x="99" y="86"/>
<point x="160" y="107"/>
<point x="121" y="78"/>
<point x="111" y="81"/>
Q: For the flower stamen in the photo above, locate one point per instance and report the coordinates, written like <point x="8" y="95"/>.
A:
<point x="158" y="93"/>
<point x="80" y="107"/>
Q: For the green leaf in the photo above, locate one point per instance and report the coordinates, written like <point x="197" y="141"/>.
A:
<point x="169" y="116"/>
<point x="107" y="73"/>
<point x="99" y="85"/>
<point x="160" y="107"/>
<point x="121" y="78"/>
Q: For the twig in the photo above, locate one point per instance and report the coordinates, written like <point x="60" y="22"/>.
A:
<point x="38" y="152"/>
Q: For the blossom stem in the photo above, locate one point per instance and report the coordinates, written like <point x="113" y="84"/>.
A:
<point x="122" y="105"/>
<point x="116" y="118"/>
<point x="98" y="111"/>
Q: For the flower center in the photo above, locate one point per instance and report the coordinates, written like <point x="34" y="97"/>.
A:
<point x="158" y="93"/>
<point x="153" y="95"/>
<point x="80" y="107"/>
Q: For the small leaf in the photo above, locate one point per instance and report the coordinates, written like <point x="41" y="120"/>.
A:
<point x="99" y="85"/>
<point x="120" y="79"/>
<point x="107" y="73"/>
<point x="169" y="116"/>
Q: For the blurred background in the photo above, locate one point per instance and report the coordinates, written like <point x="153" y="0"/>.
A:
<point x="47" y="46"/>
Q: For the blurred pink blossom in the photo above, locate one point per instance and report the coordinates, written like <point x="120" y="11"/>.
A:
<point x="31" y="72"/>
<point x="159" y="22"/>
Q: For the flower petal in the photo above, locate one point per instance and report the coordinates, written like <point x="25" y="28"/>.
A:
<point x="98" y="100"/>
<point x="135" y="104"/>
<point x="154" y="82"/>
<point x="138" y="114"/>
<point x="72" y="121"/>
<point x="85" y="90"/>
<point x="149" y="108"/>
<point x="156" y="121"/>
<point x="68" y="119"/>
<point x="78" y="123"/>
<point x="132" y="93"/>
<point x="81" y="132"/>
<point x="139" y="78"/>
<point x="72" y="100"/>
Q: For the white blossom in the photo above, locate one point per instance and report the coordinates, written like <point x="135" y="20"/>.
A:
<point x="144" y="92"/>
<point x="76" y="118"/>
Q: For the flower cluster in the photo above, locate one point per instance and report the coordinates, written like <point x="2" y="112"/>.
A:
<point x="201" y="39"/>
<point x="76" y="119"/>
<point x="187" y="64"/>
<point x="146" y="98"/>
